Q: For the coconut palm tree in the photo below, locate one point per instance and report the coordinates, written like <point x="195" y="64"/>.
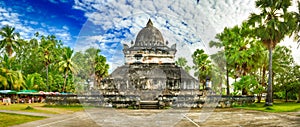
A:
<point x="34" y="82"/>
<point x="271" y="25"/>
<point x="66" y="65"/>
<point x="48" y="51"/>
<point x="8" y="77"/>
<point x="9" y="41"/>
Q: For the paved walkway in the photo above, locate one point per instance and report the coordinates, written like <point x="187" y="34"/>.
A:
<point x="193" y="118"/>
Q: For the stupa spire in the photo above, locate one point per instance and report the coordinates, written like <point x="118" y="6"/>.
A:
<point x="149" y="23"/>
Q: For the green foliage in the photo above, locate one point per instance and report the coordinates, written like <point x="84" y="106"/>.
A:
<point x="9" y="41"/>
<point x="271" y="26"/>
<point x="35" y="82"/>
<point x="202" y="65"/>
<point x="249" y="83"/>
<point x="182" y="62"/>
<point x="43" y="63"/>
<point x="91" y="63"/>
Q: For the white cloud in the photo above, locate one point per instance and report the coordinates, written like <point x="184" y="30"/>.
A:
<point x="26" y="29"/>
<point x="180" y="22"/>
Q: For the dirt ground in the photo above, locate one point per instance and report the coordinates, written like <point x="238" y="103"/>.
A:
<point x="230" y="117"/>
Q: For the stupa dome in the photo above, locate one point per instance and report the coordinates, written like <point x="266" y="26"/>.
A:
<point x="149" y="36"/>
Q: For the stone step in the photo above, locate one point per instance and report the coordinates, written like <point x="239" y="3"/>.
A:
<point x="149" y="105"/>
<point x="148" y="102"/>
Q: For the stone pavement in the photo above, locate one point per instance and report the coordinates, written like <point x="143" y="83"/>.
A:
<point x="193" y="118"/>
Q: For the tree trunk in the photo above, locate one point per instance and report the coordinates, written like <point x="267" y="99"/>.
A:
<point x="298" y="96"/>
<point x="227" y="81"/>
<point x="65" y="81"/>
<point x="244" y="91"/>
<point x="286" y="97"/>
<point x="49" y="89"/>
<point x="259" y="98"/>
<point x="269" y="90"/>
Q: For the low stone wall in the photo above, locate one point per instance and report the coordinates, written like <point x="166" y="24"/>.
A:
<point x="193" y="101"/>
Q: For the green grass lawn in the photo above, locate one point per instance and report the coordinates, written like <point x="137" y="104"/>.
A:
<point x="277" y="107"/>
<point x="42" y="108"/>
<point x="26" y="108"/>
<point x="8" y="119"/>
<point x="73" y="108"/>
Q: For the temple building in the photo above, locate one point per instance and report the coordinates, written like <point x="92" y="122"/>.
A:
<point x="149" y="66"/>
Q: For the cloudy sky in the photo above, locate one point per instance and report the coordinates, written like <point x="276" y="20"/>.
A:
<point x="107" y="24"/>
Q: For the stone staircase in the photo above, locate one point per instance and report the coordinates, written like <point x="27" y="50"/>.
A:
<point x="149" y="105"/>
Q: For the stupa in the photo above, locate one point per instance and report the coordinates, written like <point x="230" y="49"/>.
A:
<point x="149" y="71"/>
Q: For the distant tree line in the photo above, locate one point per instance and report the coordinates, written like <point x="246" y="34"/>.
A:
<point x="42" y="63"/>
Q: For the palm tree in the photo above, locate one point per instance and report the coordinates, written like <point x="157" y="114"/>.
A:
<point x="202" y="65"/>
<point x="11" y="79"/>
<point x="271" y="26"/>
<point x="101" y="68"/>
<point x="66" y="65"/>
<point x="47" y="53"/>
<point x="34" y="82"/>
<point x="9" y="41"/>
<point x="238" y="44"/>
<point x="182" y="62"/>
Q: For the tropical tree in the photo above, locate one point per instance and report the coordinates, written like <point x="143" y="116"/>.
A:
<point x="271" y="25"/>
<point x="35" y="82"/>
<point x="241" y="52"/>
<point x="49" y="50"/>
<point x="219" y="60"/>
<point x="91" y="65"/>
<point x="28" y="57"/>
<point x="297" y="29"/>
<point x="9" y="39"/>
<point x="101" y="68"/>
<point x="182" y="62"/>
<point x="66" y="65"/>
<point x="9" y="77"/>
<point x="283" y="78"/>
<point x="296" y="71"/>
<point x="12" y="79"/>
<point x="202" y="65"/>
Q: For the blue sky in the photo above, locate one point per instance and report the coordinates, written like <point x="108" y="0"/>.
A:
<point x="107" y="24"/>
<point x="44" y="16"/>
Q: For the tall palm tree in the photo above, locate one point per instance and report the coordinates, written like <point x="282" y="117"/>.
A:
<point x="182" y="62"/>
<point x="271" y="25"/>
<point x="66" y="65"/>
<point x="48" y="51"/>
<point x="9" y="41"/>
